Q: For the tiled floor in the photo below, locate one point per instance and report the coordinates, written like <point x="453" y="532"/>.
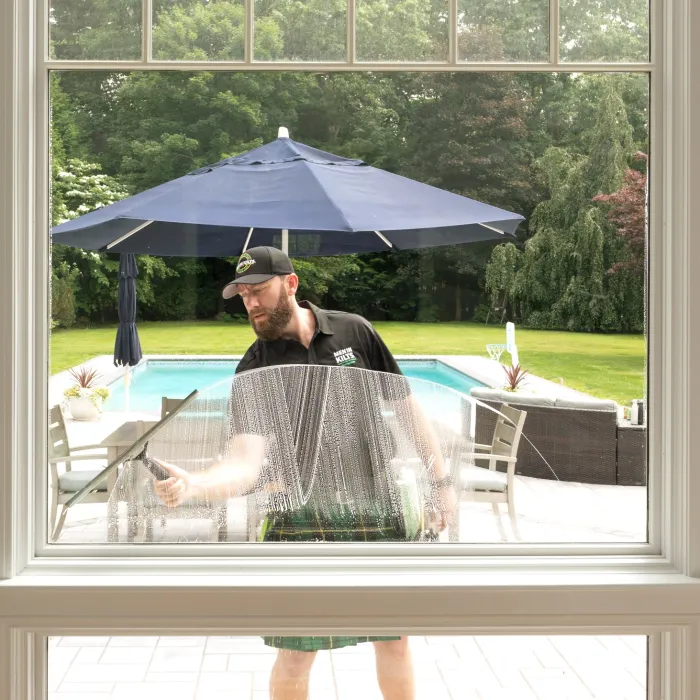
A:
<point x="446" y="668"/>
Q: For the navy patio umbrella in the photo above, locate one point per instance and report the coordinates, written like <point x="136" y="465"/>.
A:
<point x="287" y="194"/>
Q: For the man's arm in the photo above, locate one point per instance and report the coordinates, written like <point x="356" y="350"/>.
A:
<point x="423" y="436"/>
<point x="226" y="478"/>
<point x="420" y="428"/>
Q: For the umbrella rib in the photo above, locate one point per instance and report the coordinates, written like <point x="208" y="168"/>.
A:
<point x="129" y="233"/>
<point x="385" y="239"/>
<point x="491" y="228"/>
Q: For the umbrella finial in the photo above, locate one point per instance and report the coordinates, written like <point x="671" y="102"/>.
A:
<point x="283" y="133"/>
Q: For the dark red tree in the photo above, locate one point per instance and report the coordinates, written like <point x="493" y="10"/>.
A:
<point x="628" y="213"/>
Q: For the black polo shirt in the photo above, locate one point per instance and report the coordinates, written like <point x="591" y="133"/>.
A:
<point x="340" y="339"/>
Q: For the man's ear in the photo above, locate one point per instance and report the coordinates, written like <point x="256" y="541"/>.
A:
<point x="292" y="284"/>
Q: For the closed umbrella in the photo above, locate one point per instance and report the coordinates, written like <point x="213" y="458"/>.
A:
<point x="127" y="347"/>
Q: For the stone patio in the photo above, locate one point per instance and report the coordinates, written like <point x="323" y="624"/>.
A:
<point x="446" y="668"/>
<point x="547" y="510"/>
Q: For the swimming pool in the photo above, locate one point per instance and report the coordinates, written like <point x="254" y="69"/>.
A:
<point x="177" y="378"/>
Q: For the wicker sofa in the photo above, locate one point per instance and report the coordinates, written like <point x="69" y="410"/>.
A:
<point x="579" y="438"/>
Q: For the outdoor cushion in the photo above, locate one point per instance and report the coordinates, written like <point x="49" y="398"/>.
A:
<point x="509" y="397"/>
<point x="73" y="481"/>
<point x="587" y="404"/>
<point x="520" y="399"/>
<point x="480" y="479"/>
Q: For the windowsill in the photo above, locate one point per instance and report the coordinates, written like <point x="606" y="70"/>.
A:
<point x="326" y="595"/>
<point x="306" y="570"/>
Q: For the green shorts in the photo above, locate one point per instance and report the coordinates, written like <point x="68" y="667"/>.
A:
<point x="341" y="526"/>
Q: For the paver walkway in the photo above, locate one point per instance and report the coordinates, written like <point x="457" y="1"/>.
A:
<point x="447" y="668"/>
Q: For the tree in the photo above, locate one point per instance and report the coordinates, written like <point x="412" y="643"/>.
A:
<point x="509" y="30"/>
<point x="562" y="281"/>
<point x="80" y="279"/>
<point x="487" y="136"/>
<point x="628" y="213"/>
<point x="95" y="30"/>
<point x="500" y="277"/>
<point x="595" y="30"/>
<point x="468" y="134"/>
<point x="84" y="283"/>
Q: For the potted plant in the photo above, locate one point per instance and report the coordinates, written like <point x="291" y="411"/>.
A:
<point x="515" y="383"/>
<point x="84" y="397"/>
<point x="515" y="376"/>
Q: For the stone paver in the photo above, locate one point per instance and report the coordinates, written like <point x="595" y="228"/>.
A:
<point x="446" y="668"/>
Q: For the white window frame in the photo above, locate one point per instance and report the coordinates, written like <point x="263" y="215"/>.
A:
<point x="647" y="589"/>
<point x="46" y="555"/>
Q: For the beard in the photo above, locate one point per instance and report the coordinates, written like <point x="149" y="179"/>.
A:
<point x="277" y="319"/>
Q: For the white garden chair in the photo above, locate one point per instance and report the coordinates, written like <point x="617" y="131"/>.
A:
<point x="67" y="481"/>
<point x="487" y="484"/>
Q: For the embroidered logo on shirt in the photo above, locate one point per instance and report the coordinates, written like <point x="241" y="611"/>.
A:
<point x="244" y="262"/>
<point x="345" y="357"/>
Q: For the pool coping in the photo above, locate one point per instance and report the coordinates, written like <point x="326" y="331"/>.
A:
<point x="482" y="369"/>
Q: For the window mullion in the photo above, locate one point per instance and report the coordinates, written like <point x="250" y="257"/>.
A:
<point x="453" y="29"/>
<point x="351" y="47"/>
<point x="249" y="28"/>
<point x="554" y="32"/>
<point x="147" y="31"/>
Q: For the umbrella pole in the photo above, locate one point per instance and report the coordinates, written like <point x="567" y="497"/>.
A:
<point x="127" y="383"/>
<point x="285" y="241"/>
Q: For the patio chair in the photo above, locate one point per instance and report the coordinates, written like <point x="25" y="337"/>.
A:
<point x="217" y="512"/>
<point x="487" y="484"/>
<point x="67" y="482"/>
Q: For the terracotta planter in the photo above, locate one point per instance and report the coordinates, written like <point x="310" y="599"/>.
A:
<point x="82" y="408"/>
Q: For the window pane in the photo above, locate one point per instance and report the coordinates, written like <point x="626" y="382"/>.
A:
<point x="401" y="31"/>
<point x="504" y="31"/>
<point x="567" y="152"/>
<point x="300" y="30"/>
<point x="98" y="30"/>
<point x="604" y="30"/>
<point x="438" y="668"/>
<point x="198" y="31"/>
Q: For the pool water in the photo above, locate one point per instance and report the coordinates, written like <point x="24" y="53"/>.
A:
<point x="175" y="379"/>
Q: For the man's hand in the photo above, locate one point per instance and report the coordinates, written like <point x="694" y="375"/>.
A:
<point x="177" y="489"/>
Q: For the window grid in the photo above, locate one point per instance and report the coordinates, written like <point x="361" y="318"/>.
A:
<point x="453" y="64"/>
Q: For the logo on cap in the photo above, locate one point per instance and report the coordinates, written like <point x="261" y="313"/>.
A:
<point x="244" y="263"/>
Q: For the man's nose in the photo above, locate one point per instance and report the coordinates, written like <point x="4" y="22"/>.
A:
<point x="251" y="303"/>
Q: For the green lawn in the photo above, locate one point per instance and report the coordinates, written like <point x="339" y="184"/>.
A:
<point x="608" y="366"/>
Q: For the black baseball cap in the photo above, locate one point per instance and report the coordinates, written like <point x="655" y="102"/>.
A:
<point x="258" y="265"/>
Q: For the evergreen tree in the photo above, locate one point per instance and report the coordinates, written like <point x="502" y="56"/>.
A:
<point x="563" y="280"/>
